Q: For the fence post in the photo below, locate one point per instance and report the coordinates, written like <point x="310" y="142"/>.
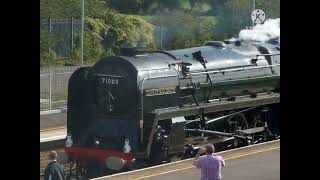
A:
<point x="50" y="89"/>
<point x="71" y="34"/>
<point x="49" y="24"/>
<point x="49" y="29"/>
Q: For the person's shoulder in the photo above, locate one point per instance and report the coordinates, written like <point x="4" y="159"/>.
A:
<point x="219" y="157"/>
<point x="49" y="167"/>
<point x="55" y="164"/>
<point x="202" y="158"/>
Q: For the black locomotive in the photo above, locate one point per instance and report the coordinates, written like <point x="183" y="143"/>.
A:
<point x="146" y="107"/>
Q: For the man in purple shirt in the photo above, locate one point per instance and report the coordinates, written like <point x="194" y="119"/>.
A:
<point x="210" y="165"/>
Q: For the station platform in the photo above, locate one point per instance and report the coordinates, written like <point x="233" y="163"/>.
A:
<point x="261" y="161"/>
<point x="53" y="134"/>
<point x="53" y="119"/>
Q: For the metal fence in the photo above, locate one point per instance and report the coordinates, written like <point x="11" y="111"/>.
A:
<point x="64" y="32"/>
<point x="54" y="87"/>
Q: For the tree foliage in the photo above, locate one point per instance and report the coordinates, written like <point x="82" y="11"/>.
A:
<point x="183" y="29"/>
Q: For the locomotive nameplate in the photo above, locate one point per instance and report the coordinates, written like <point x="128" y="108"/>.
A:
<point x="160" y="91"/>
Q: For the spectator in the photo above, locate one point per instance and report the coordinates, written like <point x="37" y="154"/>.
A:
<point x="54" y="171"/>
<point x="210" y="165"/>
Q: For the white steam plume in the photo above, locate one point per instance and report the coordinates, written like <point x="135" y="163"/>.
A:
<point x="270" y="29"/>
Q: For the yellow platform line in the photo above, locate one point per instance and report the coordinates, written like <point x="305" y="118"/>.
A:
<point x="52" y="129"/>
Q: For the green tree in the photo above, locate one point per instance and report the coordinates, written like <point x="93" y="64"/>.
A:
<point x="105" y="37"/>
<point x="127" y="6"/>
<point x="185" y="29"/>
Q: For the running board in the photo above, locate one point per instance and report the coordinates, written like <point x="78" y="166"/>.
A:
<point x="252" y="130"/>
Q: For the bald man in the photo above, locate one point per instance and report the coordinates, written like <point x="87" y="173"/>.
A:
<point x="54" y="171"/>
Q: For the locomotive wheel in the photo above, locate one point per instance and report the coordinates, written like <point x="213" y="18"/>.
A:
<point x="236" y="122"/>
<point x="155" y="159"/>
<point x="69" y="172"/>
<point x="176" y="157"/>
<point x="261" y="136"/>
<point x="257" y="122"/>
<point x="156" y="155"/>
<point x="139" y="163"/>
<point x="80" y="171"/>
<point x="94" y="170"/>
<point x="76" y="170"/>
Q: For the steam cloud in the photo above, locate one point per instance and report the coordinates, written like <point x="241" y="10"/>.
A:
<point x="262" y="32"/>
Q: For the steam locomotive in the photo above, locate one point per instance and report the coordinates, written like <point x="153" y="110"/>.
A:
<point x="148" y="107"/>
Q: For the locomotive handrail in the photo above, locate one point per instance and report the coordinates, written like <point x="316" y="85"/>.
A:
<point x="108" y="75"/>
<point x="155" y="69"/>
<point x="166" y="53"/>
<point x="267" y="55"/>
<point x="141" y="120"/>
<point x="234" y="70"/>
<point x="248" y="78"/>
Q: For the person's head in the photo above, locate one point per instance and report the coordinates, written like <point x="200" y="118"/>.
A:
<point x="52" y="155"/>
<point x="209" y="149"/>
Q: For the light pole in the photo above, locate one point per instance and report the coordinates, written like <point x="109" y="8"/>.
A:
<point x="160" y="24"/>
<point x="253" y="8"/>
<point x="82" y="27"/>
